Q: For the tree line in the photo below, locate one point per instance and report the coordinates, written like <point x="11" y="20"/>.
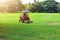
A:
<point x="50" y="6"/>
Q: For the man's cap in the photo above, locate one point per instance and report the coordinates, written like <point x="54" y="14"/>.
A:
<point x="26" y="11"/>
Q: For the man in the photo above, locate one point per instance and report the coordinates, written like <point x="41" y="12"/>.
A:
<point x="25" y="18"/>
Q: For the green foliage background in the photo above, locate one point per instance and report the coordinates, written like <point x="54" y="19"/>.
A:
<point x="49" y="6"/>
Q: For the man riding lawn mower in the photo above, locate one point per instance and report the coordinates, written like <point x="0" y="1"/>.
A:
<point x="25" y="18"/>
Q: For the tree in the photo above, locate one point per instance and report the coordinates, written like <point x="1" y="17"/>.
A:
<point x="36" y="7"/>
<point x="35" y="1"/>
<point x="15" y="6"/>
<point x="51" y="6"/>
<point x="45" y="6"/>
<point x="59" y="8"/>
<point x="11" y="6"/>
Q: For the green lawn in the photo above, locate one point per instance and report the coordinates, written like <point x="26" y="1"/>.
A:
<point x="44" y="27"/>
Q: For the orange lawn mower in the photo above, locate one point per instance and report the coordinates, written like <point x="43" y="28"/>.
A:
<point x="25" y="18"/>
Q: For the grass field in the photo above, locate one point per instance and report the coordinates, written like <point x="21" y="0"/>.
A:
<point x="44" y="27"/>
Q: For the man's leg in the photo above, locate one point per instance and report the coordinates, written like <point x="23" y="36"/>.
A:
<point x="22" y="20"/>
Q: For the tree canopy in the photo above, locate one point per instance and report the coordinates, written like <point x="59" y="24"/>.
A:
<point x="11" y="6"/>
<point x="45" y="6"/>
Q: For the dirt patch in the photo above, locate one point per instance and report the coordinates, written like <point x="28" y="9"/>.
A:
<point x="3" y="38"/>
<point x="1" y="27"/>
<point x="54" y="23"/>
